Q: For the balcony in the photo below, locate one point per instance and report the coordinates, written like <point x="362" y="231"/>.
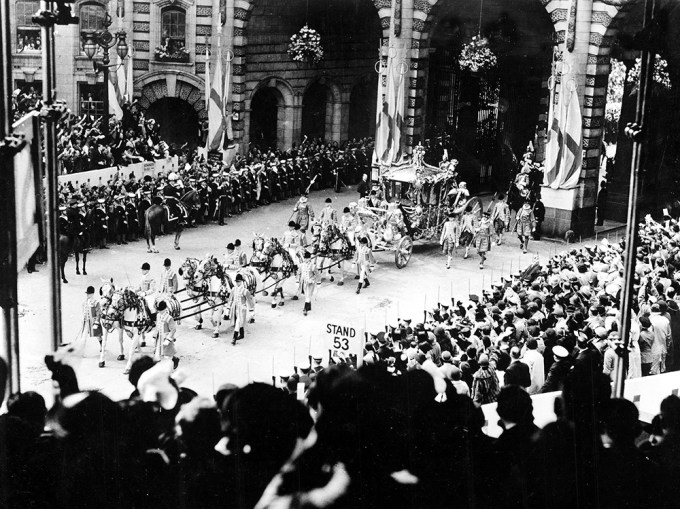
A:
<point x="177" y="60"/>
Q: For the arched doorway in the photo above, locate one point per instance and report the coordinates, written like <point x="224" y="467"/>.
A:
<point x="177" y="119"/>
<point x="482" y="118"/>
<point x="317" y="111"/>
<point x="265" y="111"/>
<point x="362" y="104"/>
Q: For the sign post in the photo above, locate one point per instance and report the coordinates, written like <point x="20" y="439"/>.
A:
<point x="345" y="341"/>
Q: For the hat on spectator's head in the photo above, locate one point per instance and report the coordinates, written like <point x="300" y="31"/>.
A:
<point x="645" y="322"/>
<point x="663" y="307"/>
<point x="483" y="360"/>
<point x="656" y="308"/>
<point x="447" y="357"/>
<point x="560" y="352"/>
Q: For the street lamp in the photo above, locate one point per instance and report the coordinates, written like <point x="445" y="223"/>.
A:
<point x="93" y="39"/>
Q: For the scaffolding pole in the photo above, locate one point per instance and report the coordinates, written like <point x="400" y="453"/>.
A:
<point x="635" y="132"/>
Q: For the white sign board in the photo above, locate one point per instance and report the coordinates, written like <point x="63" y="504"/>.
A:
<point x="345" y="342"/>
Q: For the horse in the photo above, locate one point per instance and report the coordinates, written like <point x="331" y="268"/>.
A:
<point x="208" y="281"/>
<point x="70" y="243"/>
<point x="174" y="215"/>
<point x="332" y="245"/>
<point x="123" y="310"/>
<point x="272" y="260"/>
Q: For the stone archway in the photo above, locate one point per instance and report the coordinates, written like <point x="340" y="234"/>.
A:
<point x="321" y="110"/>
<point x="241" y="90"/>
<point x="271" y="101"/>
<point x="179" y="88"/>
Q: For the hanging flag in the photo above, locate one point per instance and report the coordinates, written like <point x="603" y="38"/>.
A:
<point x="27" y="189"/>
<point x="572" y="153"/>
<point x="121" y="80"/>
<point x="129" y="93"/>
<point x="216" y="123"/>
<point x="114" y="104"/>
<point x="207" y="77"/>
<point x="226" y="95"/>
<point x="563" y="154"/>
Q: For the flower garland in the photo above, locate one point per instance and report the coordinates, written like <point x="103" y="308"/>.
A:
<point x="660" y="73"/>
<point x="305" y="46"/>
<point x="163" y="54"/>
<point x="476" y="56"/>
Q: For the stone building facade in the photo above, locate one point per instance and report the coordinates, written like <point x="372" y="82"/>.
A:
<point x="336" y="98"/>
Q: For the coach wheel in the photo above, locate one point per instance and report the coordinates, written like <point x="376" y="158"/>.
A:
<point x="476" y="205"/>
<point x="402" y="253"/>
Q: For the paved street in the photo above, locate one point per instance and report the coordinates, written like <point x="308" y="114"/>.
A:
<point x="281" y="337"/>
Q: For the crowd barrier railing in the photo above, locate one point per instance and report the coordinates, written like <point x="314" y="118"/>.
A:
<point x="645" y="392"/>
<point x="140" y="170"/>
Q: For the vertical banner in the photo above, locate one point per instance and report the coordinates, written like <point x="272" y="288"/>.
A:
<point x="27" y="189"/>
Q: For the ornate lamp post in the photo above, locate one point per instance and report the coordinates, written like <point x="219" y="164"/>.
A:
<point x="93" y="39"/>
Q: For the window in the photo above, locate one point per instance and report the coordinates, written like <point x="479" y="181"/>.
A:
<point x="92" y="16"/>
<point x="91" y="99"/>
<point x="28" y="33"/>
<point x="173" y="35"/>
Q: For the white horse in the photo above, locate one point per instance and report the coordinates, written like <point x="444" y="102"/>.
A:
<point x="122" y="310"/>
<point x="274" y="263"/>
<point x="216" y="286"/>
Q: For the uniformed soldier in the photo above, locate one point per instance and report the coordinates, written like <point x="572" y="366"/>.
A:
<point x="100" y="223"/>
<point x="172" y="188"/>
<point x="119" y="219"/>
<point x="168" y="279"/>
<point x="165" y="340"/>
<point x="144" y="204"/>
<point x="132" y="217"/>
<point x="204" y="192"/>
<point x="63" y="223"/>
<point x="224" y="199"/>
<point x="236" y="193"/>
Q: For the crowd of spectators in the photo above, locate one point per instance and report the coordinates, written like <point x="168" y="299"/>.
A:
<point x="83" y="145"/>
<point x="406" y="428"/>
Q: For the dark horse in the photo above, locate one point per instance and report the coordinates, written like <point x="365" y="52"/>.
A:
<point x="71" y="242"/>
<point x="171" y="216"/>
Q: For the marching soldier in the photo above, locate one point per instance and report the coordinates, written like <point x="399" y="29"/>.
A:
<point x="500" y="217"/>
<point x="168" y="279"/>
<point x="525" y="225"/>
<point x="483" y="238"/>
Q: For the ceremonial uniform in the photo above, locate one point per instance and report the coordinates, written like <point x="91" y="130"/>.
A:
<point x="308" y="279"/>
<point x="144" y="205"/>
<point x="328" y="215"/>
<point x="304" y="213"/>
<point x="168" y="281"/>
<point x="525" y="225"/>
<point x="364" y="259"/>
<point x="500" y="218"/>
<point x="483" y="239"/>
<point x="133" y="220"/>
<point x="121" y="223"/>
<point x="100" y="225"/>
<point x="468" y="225"/>
<point x="292" y="241"/>
<point x="449" y="239"/>
<point x="240" y="301"/>
<point x="348" y="224"/>
<point x="165" y="343"/>
<point x="92" y="315"/>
